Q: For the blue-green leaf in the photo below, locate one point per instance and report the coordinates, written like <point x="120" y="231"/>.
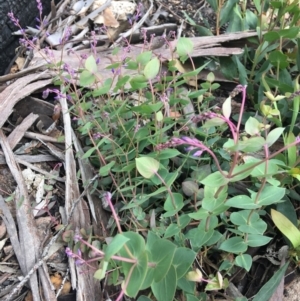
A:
<point x="244" y="261"/>
<point x="183" y="260"/>
<point x="270" y="195"/>
<point x="242" y="202"/>
<point x="115" y="245"/>
<point x="164" y="290"/>
<point x="256" y="240"/>
<point x="215" y="179"/>
<point x="234" y="245"/>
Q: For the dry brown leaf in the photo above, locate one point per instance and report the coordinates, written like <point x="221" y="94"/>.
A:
<point x="56" y="280"/>
<point x="20" y="61"/>
<point x="119" y="9"/>
<point x="175" y="114"/>
<point x="66" y="288"/>
<point x="14" y="69"/>
<point x="113" y="33"/>
<point x="109" y="18"/>
<point x="18" y="65"/>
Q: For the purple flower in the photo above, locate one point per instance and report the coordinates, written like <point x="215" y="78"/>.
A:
<point x="116" y="71"/>
<point x="79" y="260"/>
<point x="97" y="135"/>
<point x="46" y="93"/>
<point x="136" y="128"/>
<point x="77" y="237"/>
<point x="39" y="6"/>
<point x="55" y="91"/>
<point x="164" y="98"/>
<point x="14" y="19"/>
<point x="66" y="35"/>
<point x="69" y="97"/>
<point x="198" y="153"/>
<point x="69" y="252"/>
<point x="69" y="69"/>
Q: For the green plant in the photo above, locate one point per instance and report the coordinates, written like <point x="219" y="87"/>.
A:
<point x="185" y="203"/>
<point x="184" y="192"/>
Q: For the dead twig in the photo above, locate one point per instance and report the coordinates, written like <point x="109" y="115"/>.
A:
<point x="45" y="254"/>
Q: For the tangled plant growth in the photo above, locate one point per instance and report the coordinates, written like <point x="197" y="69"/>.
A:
<point x="186" y="204"/>
<point x="180" y="191"/>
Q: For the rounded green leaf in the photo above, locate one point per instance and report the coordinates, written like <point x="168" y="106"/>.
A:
<point x="152" y="68"/>
<point x="244" y="261"/>
<point x="147" y="166"/>
<point x="198" y="237"/>
<point x="215" y="179"/>
<point x="242" y="202"/>
<point x="190" y="188"/>
<point x="86" y="78"/>
<point x="90" y="64"/>
<point x="136" y="271"/>
<point x="252" y="126"/>
<point x="115" y="245"/>
<point x="178" y="202"/>
<point x="184" y="46"/>
<point x="144" y="57"/>
<point x="164" y="290"/>
<point x="257" y="240"/>
<point x="172" y="230"/>
<point x="248" y="223"/>
<point x="234" y="245"/>
<point x="183" y="260"/>
<point x="274" y="135"/>
<point x="270" y="195"/>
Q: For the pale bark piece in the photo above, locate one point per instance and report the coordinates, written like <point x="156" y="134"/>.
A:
<point x="20" y="89"/>
<point x="109" y="19"/>
<point x="210" y="46"/>
<point x="31" y="159"/>
<point x="12" y="76"/>
<point x="87" y="287"/>
<point x="17" y="134"/>
<point x="98" y="213"/>
<point x="41" y="171"/>
<point x="203" y="46"/>
<point x="37" y="136"/>
<point x="29" y="243"/>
